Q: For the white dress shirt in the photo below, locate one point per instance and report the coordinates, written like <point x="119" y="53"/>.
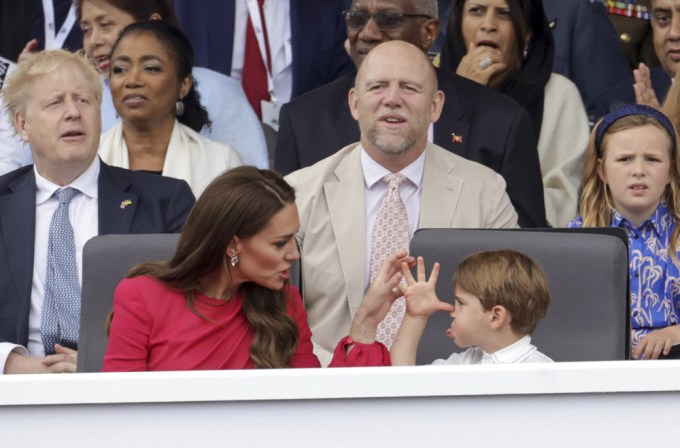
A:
<point x="375" y="190"/>
<point x="521" y="351"/>
<point x="277" y="22"/>
<point x="83" y="214"/>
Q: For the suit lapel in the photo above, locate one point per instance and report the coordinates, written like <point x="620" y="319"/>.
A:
<point x="451" y="131"/>
<point x="117" y="205"/>
<point x="345" y="200"/>
<point x="17" y="218"/>
<point x="441" y="191"/>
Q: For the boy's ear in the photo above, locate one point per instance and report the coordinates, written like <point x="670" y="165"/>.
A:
<point x="500" y="317"/>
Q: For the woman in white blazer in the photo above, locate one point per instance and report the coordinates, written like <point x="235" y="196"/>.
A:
<point x="153" y="93"/>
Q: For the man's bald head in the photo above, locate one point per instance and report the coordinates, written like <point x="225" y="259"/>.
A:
<point x="411" y="57"/>
<point x="394" y="100"/>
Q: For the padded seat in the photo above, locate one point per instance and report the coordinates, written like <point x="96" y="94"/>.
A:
<point x="588" y="317"/>
<point x="106" y="261"/>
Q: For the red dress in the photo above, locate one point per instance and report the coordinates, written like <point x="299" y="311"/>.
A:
<point x="154" y="329"/>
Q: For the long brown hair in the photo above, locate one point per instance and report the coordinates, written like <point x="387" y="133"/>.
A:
<point x="596" y="201"/>
<point x="240" y="203"/>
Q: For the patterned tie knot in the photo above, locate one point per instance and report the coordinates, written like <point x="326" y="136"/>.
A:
<point x="394" y="180"/>
<point x="64" y="195"/>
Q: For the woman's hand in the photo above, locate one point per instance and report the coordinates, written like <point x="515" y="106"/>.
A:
<point x="644" y="93"/>
<point x="657" y="342"/>
<point x="481" y="63"/>
<point x="379" y="298"/>
<point x="28" y="51"/>
<point x="420" y="295"/>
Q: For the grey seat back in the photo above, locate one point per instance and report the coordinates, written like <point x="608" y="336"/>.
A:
<point x="106" y="261"/>
<point x="588" y="317"/>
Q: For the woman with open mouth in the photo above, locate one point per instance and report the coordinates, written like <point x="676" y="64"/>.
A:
<point x="225" y="299"/>
<point x="508" y="46"/>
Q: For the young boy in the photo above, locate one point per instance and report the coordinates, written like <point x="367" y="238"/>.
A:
<point x="500" y="296"/>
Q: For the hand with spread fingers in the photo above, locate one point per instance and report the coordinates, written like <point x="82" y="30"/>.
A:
<point x="421" y="303"/>
<point x="481" y="63"/>
<point x="644" y="92"/>
<point x="421" y="297"/>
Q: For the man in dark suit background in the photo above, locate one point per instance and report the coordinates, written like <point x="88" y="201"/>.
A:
<point x="316" y="36"/>
<point x="476" y="122"/>
<point x="650" y="86"/>
<point x="54" y="99"/>
<point x="587" y="47"/>
<point x="34" y="25"/>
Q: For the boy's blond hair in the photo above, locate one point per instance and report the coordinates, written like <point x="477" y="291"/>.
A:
<point x="510" y="279"/>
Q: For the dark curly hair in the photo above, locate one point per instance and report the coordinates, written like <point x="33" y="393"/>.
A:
<point x="176" y="43"/>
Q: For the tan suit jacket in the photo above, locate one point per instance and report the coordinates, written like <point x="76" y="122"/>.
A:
<point x="332" y="237"/>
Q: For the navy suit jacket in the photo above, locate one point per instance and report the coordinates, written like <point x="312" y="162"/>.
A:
<point x="158" y="205"/>
<point x="317" y="32"/>
<point x="587" y="47"/>
<point x="494" y="131"/>
<point x="74" y="40"/>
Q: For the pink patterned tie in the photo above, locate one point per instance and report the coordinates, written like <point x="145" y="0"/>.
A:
<point x="389" y="236"/>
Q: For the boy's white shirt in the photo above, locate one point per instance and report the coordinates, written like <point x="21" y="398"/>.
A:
<point x="521" y="351"/>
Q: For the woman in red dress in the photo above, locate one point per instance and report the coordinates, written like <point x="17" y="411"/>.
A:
<point x="224" y="300"/>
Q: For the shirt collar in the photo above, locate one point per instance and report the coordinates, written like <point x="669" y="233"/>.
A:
<point x="512" y="353"/>
<point x="374" y="172"/>
<point x="656" y="221"/>
<point x="86" y="183"/>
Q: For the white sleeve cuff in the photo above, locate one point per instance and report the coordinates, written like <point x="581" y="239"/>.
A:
<point x="5" y="349"/>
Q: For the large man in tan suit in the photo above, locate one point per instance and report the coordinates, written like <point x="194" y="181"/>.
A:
<point x="395" y="100"/>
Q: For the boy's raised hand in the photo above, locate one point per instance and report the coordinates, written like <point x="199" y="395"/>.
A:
<point x="420" y="295"/>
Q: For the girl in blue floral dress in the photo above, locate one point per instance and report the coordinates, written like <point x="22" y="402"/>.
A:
<point x="631" y="181"/>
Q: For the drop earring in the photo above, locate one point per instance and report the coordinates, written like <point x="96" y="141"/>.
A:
<point x="179" y="108"/>
<point x="233" y="260"/>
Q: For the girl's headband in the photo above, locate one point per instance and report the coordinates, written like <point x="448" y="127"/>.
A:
<point x="628" y="110"/>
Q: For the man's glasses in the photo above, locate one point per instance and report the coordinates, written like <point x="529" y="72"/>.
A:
<point x="385" y="21"/>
